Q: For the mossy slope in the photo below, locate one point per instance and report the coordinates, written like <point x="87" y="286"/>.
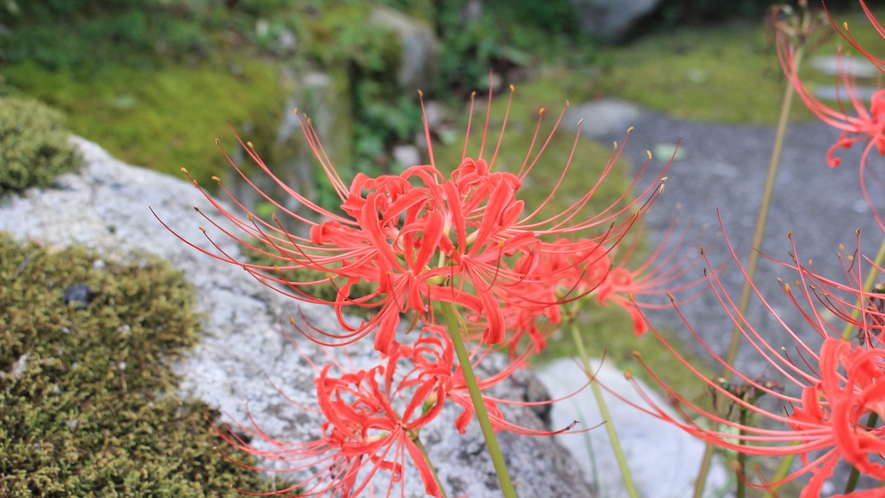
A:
<point x="87" y="403"/>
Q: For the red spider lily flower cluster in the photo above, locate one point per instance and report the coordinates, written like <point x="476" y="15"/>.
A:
<point x="421" y="238"/>
<point x="373" y="418"/>
<point x="835" y="388"/>
<point x="863" y="123"/>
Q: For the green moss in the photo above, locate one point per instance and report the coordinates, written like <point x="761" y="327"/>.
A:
<point x="34" y="145"/>
<point x="171" y="118"/>
<point x="87" y="403"/>
<point x="727" y="74"/>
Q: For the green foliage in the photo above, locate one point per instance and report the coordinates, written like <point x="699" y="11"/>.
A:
<point x="728" y="73"/>
<point x="87" y="402"/>
<point x="503" y="35"/>
<point x="33" y="145"/>
<point x="672" y="12"/>
<point x="171" y="118"/>
<point x="84" y="35"/>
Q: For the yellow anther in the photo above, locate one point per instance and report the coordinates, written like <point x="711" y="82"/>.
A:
<point x="790" y="235"/>
<point x="203" y="229"/>
<point x="649" y="154"/>
<point x="628" y="374"/>
<point x="541" y="111"/>
<point x="184" y="170"/>
<point x="636" y="353"/>
<point x="787" y="287"/>
<point x="580" y="121"/>
<point x="217" y="142"/>
<point x="841" y="247"/>
<point x="250" y="145"/>
<point x="845" y="25"/>
<point x="512" y="88"/>
<point x="295" y="111"/>
<point x="420" y="93"/>
<point x="672" y="299"/>
<point x="629" y="129"/>
<point x="249" y="216"/>
<point x="216" y="178"/>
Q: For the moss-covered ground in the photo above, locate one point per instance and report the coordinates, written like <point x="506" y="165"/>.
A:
<point x="170" y="118"/>
<point x="727" y="73"/>
<point x="87" y="401"/>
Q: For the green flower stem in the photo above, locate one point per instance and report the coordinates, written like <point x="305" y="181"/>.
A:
<point x="482" y="415"/>
<point x="761" y="222"/>
<point x="855" y="474"/>
<point x="423" y="450"/>
<point x="606" y="417"/>
<point x="742" y="460"/>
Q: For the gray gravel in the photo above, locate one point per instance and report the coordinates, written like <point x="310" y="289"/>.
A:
<point x="725" y="167"/>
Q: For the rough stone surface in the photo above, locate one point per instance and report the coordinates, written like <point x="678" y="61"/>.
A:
<point x="419" y="44"/>
<point x="663" y="459"/>
<point x="105" y="208"/>
<point x="611" y="20"/>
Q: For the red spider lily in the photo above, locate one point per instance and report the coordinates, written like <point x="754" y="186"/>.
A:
<point x="364" y="427"/>
<point x="846" y="34"/>
<point x="433" y="354"/>
<point x="422" y="237"/>
<point x="839" y="385"/>
<point x="570" y="272"/>
<point x="866" y="125"/>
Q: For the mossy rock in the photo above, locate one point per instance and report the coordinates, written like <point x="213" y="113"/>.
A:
<point x="33" y="145"/>
<point x="87" y="401"/>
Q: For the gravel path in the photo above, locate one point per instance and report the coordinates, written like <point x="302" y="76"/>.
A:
<point x="725" y="167"/>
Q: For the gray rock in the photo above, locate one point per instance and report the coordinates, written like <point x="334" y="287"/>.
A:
<point x="611" y="20"/>
<point x="420" y="47"/>
<point x="858" y="67"/>
<point x="602" y="117"/>
<point x="663" y="459"/>
<point x="407" y="155"/>
<point x="835" y="94"/>
<point x="105" y="208"/>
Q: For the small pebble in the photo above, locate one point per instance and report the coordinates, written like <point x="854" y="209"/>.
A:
<point x="79" y="293"/>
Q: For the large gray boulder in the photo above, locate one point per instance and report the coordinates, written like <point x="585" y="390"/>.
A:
<point x="420" y="49"/>
<point x="105" y="208"/>
<point x="611" y="20"/>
